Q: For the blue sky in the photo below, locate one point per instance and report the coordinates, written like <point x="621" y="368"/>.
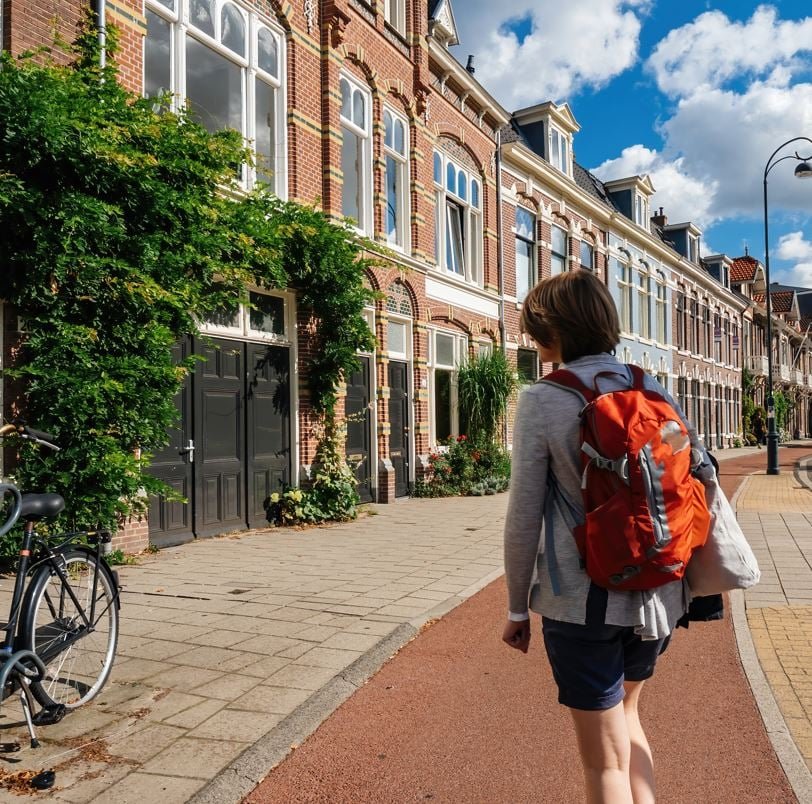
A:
<point x="696" y="94"/>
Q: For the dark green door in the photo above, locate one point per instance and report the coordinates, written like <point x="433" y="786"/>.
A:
<point x="399" y="423"/>
<point x="359" y="427"/>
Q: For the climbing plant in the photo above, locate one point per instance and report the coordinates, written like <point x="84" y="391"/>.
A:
<point x="121" y="227"/>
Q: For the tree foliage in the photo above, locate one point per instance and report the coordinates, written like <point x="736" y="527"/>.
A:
<point x="122" y="227"/>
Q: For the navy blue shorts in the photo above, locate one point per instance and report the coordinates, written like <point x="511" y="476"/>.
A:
<point x="590" y="662"/>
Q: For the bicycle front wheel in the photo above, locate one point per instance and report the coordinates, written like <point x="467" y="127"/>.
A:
<point x="72" y="625"/>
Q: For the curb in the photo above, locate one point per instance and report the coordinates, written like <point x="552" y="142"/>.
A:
<point x="793" y="764"/>
<point x="801" y="472"/>
<point x="239" y="778"/>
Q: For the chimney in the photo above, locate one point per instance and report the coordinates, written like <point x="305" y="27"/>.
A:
<point x="470" y="66"/>
<point x="660" y="219"/>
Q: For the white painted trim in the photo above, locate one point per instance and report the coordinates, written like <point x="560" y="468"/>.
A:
<point x="442" y="291"/>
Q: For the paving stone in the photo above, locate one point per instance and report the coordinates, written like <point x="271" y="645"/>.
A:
<point x="227" y="687"/>
<point x="140" y="745"/>
<point x="236" y="725"/>
<point x="194" y="757"/>
<point x="139" y="788"/>
<point x="196" y="714"/>
<point x="303" y="677"/>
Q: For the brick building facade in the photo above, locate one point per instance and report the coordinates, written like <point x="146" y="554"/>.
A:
<point x="359" y="107"/>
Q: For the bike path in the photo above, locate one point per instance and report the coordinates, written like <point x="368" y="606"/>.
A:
<point x="458" y="717"/>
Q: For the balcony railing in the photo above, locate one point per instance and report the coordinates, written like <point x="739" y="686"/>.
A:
<point x="797" y="377"/>
<point x="781" y="374"/>
<point x="757" y="364"/>
<point x="808" y="380"/>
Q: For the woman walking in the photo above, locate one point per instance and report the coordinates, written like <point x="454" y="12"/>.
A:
<point x="602" y="645"/>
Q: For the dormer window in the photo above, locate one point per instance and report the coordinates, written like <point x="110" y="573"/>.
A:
<point x="693" y="248"/>
<point x="640" y="210"/>
<point x="559" y="151"/>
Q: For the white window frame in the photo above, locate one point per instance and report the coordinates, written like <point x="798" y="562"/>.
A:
<point x="242" y="328"/>
<point x="586" y="244"/>
<point x="661" y="304"/>
<point x="644" y="302"/>
<point x="555" y="255"/>
<point x="640" y="210"/>
<point x="452" y="210"/>
<point x="460" y="354"/>
<point x="395" y="14"/>
<point x="532" y="274"/>
<point x="402" y="236"/>
<point x="364" y="133"/>
<point x="182" y="28"/>
<point x="559" y="150"/>
<point x="626" y="291"/>
<point x="693" y="248"/>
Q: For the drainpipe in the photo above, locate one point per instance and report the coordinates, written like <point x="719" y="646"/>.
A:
<point x="101" y="24"/>
<point x="500" y="263"/>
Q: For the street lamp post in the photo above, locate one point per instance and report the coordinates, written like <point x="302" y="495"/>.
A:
<point x="803" y="171"/>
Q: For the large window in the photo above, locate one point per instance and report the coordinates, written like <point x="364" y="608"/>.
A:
<point x="266" y="316"/>
<point x="662" y="309"/>
<point x="396" y="155"/>
<point x="644" y="303"/>
<point x="525" y="252"/>
<point x="356" y="154"/>
<point x="458" y="219"/>
<point x="623" y="271"/>
<point x="558" y="251"/>
<point x="395" y="11"/>
<point x="225" y="64"/>
<point x="681" y="310"/>
<point x="446" y="351"/>
<point x="559" y="150"/>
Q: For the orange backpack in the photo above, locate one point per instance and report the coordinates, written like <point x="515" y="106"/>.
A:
<point x="645" y="512"/>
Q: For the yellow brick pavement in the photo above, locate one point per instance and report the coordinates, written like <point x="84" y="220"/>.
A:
<point x="782" y="634"/>
<point x="774" y="494"/>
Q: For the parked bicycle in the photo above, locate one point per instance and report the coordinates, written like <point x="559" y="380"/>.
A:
<point x="62" y="630"/>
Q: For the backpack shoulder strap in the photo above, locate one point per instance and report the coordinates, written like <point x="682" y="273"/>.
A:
<point x="569" y="382"/>
<point x="638" y="376"/>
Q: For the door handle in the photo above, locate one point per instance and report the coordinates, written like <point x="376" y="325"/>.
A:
<point x="189" y="450"/>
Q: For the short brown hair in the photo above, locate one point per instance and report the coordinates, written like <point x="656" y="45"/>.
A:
<point x="575" y="309"/>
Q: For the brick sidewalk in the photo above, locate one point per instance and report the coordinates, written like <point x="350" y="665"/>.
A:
<point x="776" y="515"/>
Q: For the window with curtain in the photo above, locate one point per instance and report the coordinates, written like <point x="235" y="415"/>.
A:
<point x="446" y="351"/>
<point x="356" y="154"/>
<point x="458" y="220"/>
<point x="662" y="309"/>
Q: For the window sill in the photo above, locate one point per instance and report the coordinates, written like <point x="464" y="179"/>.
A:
<point x="400" y="35"/>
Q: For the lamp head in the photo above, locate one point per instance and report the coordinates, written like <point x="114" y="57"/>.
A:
<point x="804" y="170"/>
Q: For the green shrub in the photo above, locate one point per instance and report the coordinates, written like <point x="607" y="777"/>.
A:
<point x="485" y="383"/>
<point x="466" y="467"/>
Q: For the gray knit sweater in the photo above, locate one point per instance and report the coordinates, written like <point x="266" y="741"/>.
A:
<point x="546" y="438"/>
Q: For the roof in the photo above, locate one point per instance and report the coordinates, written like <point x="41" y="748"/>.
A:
<point x="781" y="300"/>
<point x="743" y="269"/>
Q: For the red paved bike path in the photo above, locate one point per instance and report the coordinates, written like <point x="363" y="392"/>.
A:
<point x="456" y="716"/>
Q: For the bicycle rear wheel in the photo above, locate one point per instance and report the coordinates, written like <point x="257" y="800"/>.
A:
<point x="78" y="658"/>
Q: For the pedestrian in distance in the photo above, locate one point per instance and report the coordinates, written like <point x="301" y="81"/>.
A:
<point x="759" y="430"/>
<point x="602" y="644"/>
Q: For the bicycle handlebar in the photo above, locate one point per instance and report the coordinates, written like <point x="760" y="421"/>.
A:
<point x="27" y="433"/>
<point x="14" y="515"/>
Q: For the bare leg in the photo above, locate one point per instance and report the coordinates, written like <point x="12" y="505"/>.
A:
<point x="641" y="766"/>
<point x="603" y="741"/>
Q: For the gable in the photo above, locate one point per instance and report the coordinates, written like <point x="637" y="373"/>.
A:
<point x="441" y="22"/>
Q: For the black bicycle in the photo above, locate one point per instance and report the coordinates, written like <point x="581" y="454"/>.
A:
<point x="62" y="630"/>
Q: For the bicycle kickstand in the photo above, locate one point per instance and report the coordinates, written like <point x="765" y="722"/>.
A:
<point x="25" y="701"/>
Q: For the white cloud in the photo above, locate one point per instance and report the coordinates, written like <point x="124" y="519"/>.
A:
<point x="683" y="197"/>
<point x="713" y="50"/>
<point x="570" y="46"/>
<point x="793" y="246"/>
<point x="717" y="141"/>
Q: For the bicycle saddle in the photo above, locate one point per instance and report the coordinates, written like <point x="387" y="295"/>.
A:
<point x="41" y="506"/>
